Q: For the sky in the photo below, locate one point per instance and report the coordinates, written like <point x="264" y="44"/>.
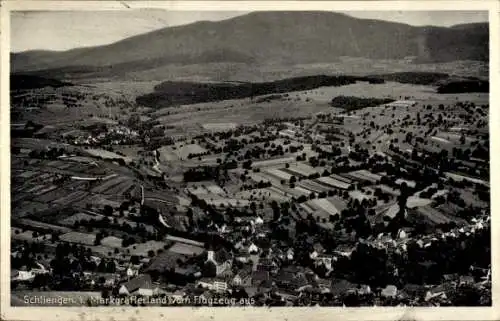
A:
<point x="63" y="30"/>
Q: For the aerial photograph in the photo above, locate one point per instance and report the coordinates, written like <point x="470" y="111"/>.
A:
<point x="250" y="158"/>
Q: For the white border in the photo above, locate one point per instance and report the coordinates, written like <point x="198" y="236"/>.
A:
<point x="323" y="313"/>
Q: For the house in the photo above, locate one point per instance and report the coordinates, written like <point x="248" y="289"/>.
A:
<point x="177" y="295"/>
<point x="218" y="261"/>
<point x="218" y="285"/>
<point x="187" y="271"/>
<point x="140" y="285"/>
<point x="258" y="221"/>
<point x="205" y="283"/>
<point x="323" y="285"/>
<point x="340" y="287"/>
<point x="413" y="290"/>
<point x="259" y="277"/>
<point x="431" y="295"/>
<point x="389" y="291"/>
<point x="22" y="276"/>
<point x="206" y="296"/>
<point x="131" y="272"/>
<point x="291" y="281"/>
<point x="402" y="234"/>
<point x="318" y="247"/>
<point x="344" y="250"/>
<point x="253" y="249"/>
<point x="450" y="277"/>
<point x="267" y="264"/>
<point x="107" y="279"/>
<point x="440" y="291"/>
<point x="466" y="280"/>
<point x="243" y="278"/>
<point x="324" y="265"/>
<point x="266" y="286"/>
<point x="364" y="289"/>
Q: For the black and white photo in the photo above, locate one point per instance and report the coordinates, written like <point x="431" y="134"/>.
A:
<point x="250" y="158"/>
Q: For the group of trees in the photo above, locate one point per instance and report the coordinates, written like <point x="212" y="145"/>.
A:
<point x="200" y="174"/>
<point x="354" y="103"/>
<point x="50" y="154"/>
<point x="108" y="223"/>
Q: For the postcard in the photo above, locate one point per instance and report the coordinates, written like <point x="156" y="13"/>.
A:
<point x="249" y="160"/>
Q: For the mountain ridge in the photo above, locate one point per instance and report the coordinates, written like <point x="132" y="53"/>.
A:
<point x="271" y="37"/>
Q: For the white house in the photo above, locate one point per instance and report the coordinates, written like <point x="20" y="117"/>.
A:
<point x="130" y="272"/>
<point x="220" y="286"/>
<point x="215" y="285"/>
<point x="259" y="221"/>
<point x="252" y="249"/>
<point x="389" y="291"/>
<point x="23" y="276"/>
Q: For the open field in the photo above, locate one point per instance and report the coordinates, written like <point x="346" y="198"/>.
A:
<point x="389" y="190"/>
<point x="219" y="126"/>
<point x="78" y="238"/>
<point x="186" y="249"/>
<point x="69" y="221"/>
<point x="325" y="205"/>
<point x="318" y="99"/>
<point x="101" y="201"/>
<point x="359" y="195"/>
<point x="301" y="169"/>
<point x="432" y="215"/>
<point x="206" y="188"/>
<point x="332" y="182"/>
<point x="262" y="194"/>
<point x="227" y="202"/>
<point x="112" y="241"/>
<point x="459" y="177"/>
<point x="273" y="162"/>
<point x="142" y="249"/>
<point x="279" y="174"/>
<point x="28" y="235"/>
<point x="313" y="186"/>
<point x="71" y="198"/>
<point x="26" y="208"/>
<point x="414" y="201"/>
<point x="106" y="154"/>
<point x="183" y="151"/>
<point x="366" y="175"/>
<point x="409" y="183"/>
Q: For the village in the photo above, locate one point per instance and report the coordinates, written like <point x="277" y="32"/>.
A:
<point x="384" y="205"/>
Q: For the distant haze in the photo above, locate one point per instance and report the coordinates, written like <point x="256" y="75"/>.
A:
<point x="63" y="30"/>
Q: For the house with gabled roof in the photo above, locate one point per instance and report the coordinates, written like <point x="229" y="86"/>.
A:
<point x="259" y="277"/>
<point x="218" y="261"/>
<point x="140" y="285"/>
<point x="243" y="277"/>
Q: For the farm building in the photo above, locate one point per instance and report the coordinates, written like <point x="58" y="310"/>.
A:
<point x="141" y="285"/>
